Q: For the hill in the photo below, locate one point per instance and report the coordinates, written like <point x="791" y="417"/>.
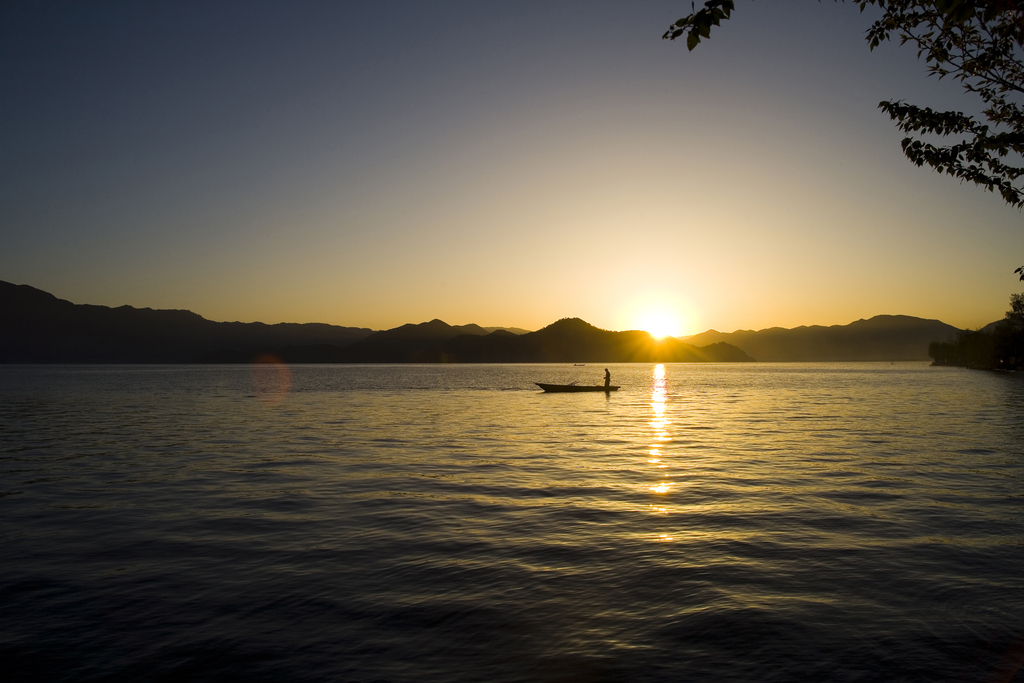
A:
<point x="881" y="338"/>
<point x="37" y="327"/>
<point x="572" y="340"/>
<point x="566" y="341"/>
<point x="406" y="343"/>
<point x="513" y="330"/>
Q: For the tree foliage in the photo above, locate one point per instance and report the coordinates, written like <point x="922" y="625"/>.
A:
<point x="980" y="44"/>
<point x="1002" y="348"/>
<point x="697" y="24"/>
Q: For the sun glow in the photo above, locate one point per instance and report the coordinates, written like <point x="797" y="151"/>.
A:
<point x="661" y="323"/>
<point x="660" y="313"/>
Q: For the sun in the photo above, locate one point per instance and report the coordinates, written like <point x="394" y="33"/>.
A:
<point x="661" y="324"/>
<point x="661" y="314"/>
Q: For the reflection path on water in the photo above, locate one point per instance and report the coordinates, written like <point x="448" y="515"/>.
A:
<point x="660" y="438"/>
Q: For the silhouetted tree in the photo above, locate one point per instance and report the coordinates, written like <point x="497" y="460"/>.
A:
<point x="971" y="349"/>
<point x="1001" y="349"/>
<point x="976" y="42"/>
<point x="1009" y="335"/>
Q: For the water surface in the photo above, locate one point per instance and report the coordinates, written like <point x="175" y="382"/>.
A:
<point x="775" y="522"/>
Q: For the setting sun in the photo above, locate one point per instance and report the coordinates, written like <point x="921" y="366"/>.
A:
<point x="662" y="313"/>
<point x="661" y="324"/>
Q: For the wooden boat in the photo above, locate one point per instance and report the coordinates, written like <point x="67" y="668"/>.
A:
<point x="553" y="388"/>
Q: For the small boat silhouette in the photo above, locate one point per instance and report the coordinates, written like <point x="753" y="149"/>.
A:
<point x="572" y="388"/>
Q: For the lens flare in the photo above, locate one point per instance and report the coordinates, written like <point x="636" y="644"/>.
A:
<point x="271" y="379"/>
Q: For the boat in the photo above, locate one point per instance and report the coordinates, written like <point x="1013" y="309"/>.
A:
<point x="555" y="388"/>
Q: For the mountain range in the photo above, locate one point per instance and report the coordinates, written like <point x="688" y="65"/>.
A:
<point x="37" y="327"/>
<point x="881" y="338"/>
<point x="565" y="341"/>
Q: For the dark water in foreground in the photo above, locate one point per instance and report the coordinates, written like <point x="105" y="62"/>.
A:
<point x="835" y="522"/>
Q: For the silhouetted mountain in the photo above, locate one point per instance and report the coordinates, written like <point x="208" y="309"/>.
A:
<point x="37" y="327"/>
<point x="881" y="338"/>
<point x="513" y="330"/>
<point x="990" y="328"/>
<point x="407" y="343"/>
<point x="572" y="340"/>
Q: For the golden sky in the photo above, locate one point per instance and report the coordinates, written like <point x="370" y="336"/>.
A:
<point x="497" y="163"/>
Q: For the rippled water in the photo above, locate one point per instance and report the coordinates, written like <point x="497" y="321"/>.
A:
<point x="750" y="522"/>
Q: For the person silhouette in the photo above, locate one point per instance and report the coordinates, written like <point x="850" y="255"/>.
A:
<point x="607" y="378"/>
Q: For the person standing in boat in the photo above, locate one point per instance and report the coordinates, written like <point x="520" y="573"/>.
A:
<point x="607" y="378"/>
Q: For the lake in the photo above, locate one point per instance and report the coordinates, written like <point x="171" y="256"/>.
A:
<point x="732" y="522"/>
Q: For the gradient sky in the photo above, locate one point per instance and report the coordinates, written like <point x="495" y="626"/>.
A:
<point x="503" y="163"/>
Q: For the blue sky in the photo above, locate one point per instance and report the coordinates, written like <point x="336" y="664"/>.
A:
<point x="505" y="163"/>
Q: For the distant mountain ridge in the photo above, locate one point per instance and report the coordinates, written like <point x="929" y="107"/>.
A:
<point x="405" y="343"/>
<point x="881" y="338"/>
<point x="566" y="341"/>
<point x="571" y="340"/>
<point x="37" y="327"/>
<point x="513" y="330"/>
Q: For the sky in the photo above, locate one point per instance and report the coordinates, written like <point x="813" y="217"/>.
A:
<point x="498" y="163"/>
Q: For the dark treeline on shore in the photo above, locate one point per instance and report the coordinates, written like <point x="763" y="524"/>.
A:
<point x="999" y="346"/>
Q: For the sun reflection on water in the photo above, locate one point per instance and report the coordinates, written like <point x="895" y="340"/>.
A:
<point x="659" y="426"/>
